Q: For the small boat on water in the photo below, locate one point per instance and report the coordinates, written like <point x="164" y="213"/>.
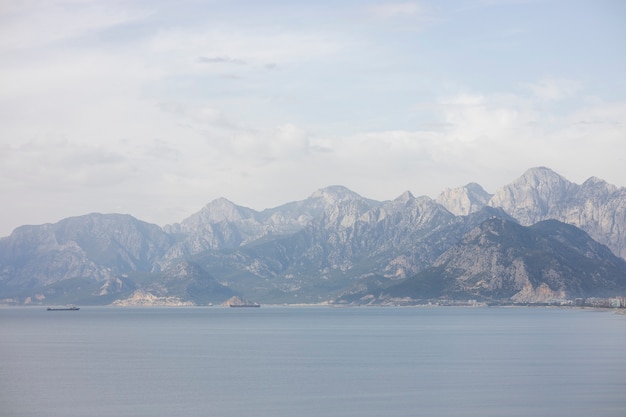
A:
<point x="70" y="308"/>
<point x="245" y="305"/>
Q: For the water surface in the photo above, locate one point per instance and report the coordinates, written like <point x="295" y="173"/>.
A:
<point x="312" y="361"/>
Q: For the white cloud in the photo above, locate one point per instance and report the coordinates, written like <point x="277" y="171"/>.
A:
<point x="56" y="163"/>
<point x="33" y="24"/>
<point x="171" y="111"/>
<point x="471" y="117"/>
<point x="203" y="154"/>
<point x="201" y="117"/>
<point x="555" y="89"/>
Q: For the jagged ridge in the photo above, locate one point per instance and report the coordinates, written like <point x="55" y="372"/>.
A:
<point x="334" y="242"/>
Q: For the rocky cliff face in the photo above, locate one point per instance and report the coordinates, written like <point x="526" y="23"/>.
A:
<point x="540" y="194"/>
<point x="464" y="200"/>
<point x="223" y="225"/>
<point x="502" y="260"/>
<point x="94" y="246"/>
<point x="595" y="206"/>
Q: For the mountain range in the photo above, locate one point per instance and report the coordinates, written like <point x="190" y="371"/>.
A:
<point x="538" y="238"/>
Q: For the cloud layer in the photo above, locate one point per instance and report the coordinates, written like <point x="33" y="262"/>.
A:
<point x="154" y="109"/>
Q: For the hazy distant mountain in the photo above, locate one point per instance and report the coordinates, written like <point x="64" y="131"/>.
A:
<point x="502" y="260"/>
<point x="538" y="194"/>
<point x="94" y="247"/>
<point x="595" y="206"/>
<point x="541" y="194"/>
<point x="334" y="243"/>
<point x="222" y="224"/>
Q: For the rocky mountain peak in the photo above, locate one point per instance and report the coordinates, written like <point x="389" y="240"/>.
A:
<point x="596" y="207"/>
<point x="538" y="175"/>
<point x="405" y="197"/>
<point x="337" y="205"/>
<point x="597" y="186"/>
<point x="533" y="196"/>
<point x="222" y="209"/>
<point x="543" y="182"/>
<point x="464" y="200"/>
<point x="217" y="211"/>
<point x="475" y="188"/>
<point x="335" y="194"/>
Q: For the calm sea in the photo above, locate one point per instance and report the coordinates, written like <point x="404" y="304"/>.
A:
<point x="312" y="361"/>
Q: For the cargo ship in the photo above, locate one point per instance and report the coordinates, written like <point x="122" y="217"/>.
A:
<point x="70" y="308"/>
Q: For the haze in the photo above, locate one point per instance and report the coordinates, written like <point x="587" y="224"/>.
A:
<point x="155" y="108"/>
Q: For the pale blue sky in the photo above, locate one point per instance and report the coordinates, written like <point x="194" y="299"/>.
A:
<point x="155" y="108"/>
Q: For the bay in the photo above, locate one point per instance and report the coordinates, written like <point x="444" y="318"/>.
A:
<point x="312" y="361"/>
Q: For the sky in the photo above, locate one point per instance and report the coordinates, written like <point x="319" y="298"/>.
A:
<point x="155" y="108"/>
